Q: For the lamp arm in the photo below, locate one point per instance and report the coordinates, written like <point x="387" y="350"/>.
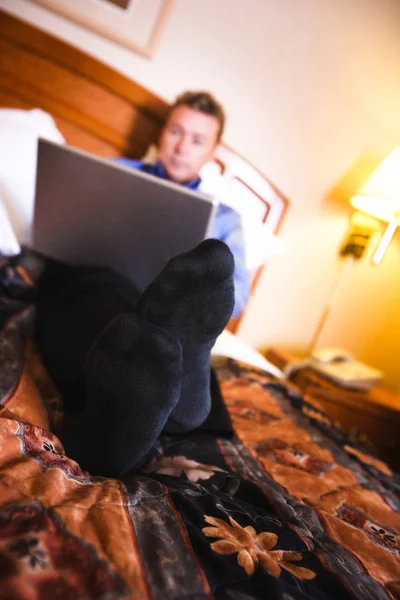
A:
<point x="332" y="297"/>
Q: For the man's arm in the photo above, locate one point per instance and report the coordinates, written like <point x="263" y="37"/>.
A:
<point x="227" y="227"/>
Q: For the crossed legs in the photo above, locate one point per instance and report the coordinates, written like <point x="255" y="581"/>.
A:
<point x="132" y="366"/>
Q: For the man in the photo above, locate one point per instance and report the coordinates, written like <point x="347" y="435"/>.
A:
<point x="188" y="141"/>
<point x="131" y="366"/>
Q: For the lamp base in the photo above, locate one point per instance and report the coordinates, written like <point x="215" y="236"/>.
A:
<point x="358" y="236"/>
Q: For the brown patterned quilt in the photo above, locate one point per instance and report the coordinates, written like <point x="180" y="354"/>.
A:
<point x="288" y="509"/>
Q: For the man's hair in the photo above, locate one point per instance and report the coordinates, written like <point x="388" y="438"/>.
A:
<point x="203" y="102"/>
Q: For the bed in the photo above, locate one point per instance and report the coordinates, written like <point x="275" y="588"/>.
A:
<point x="287" y="508"/>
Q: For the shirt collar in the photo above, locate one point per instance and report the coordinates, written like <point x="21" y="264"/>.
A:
<point x="158" y="170"/>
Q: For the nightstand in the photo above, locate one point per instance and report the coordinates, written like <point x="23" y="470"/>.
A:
<point x="372" y="416"/>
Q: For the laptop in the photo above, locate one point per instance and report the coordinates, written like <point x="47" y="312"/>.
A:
<point x="92" y="211"/>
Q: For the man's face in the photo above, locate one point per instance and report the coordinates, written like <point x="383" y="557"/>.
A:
<point x="187" y="142"/>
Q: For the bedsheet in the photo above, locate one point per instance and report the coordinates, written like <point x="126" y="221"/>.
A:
<point x="286" y="509"/>
<point x="232" y="346"/>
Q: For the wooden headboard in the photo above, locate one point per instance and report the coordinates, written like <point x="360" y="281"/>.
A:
<point x="99" y="110"/>
<point x="95" y="108"/>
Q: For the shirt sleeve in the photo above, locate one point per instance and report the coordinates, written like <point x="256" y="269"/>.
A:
<point x="229" y="230"/>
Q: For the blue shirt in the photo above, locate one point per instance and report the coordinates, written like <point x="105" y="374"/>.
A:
<point x="227" y="227"/>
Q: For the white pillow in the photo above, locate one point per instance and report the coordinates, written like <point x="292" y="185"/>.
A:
<point x="8" y="242"/>
<point x="19" y="134"/>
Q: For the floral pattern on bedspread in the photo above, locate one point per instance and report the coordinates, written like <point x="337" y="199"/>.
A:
<point x="287" y="509"/>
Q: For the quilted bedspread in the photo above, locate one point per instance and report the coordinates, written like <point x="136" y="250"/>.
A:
<point x="287" y="509"/>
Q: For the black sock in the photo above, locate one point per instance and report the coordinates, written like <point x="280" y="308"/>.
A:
<point x="133" y="375"/>
<point x="193" y="299"/>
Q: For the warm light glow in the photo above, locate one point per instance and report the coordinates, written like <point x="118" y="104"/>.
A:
<point x="379" y="208"/>
<point x="379" y="197"/>
<point x="384" y="182"/>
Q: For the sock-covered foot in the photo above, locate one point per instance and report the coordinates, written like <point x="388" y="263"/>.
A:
<point x="133" y="375"/>
<point x="193" y="299"/>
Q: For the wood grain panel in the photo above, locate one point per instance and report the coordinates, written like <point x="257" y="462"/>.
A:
<point x="9" y="99"/>
<point x="73" y="134"/>
<point x="74" y="98"/>
<point x="76" y="136"/>
<point x="57" y="51"/>
<point x="78" y="90"/>
<point x="65" y="87"/>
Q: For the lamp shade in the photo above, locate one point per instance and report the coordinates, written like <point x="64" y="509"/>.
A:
<point x="379" y="196"/>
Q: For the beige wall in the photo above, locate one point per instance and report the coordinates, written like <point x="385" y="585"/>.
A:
<point x="310" y="87"/>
